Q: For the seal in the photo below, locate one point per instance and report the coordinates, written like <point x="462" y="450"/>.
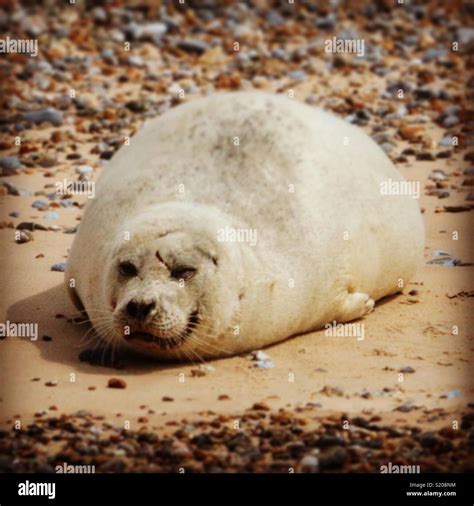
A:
<point x="238" y="220"/>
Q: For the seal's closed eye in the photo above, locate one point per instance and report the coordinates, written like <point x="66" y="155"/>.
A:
<point x="183" y="272"/>
<point x="127" y="269"/>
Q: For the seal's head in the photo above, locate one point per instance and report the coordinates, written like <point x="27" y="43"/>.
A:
<point x="173" y="288"/>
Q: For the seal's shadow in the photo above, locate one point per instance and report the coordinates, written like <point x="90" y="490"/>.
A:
<point x="51" y="310"/>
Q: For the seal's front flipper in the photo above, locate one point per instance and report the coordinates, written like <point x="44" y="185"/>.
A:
<point x="354" y="306"/>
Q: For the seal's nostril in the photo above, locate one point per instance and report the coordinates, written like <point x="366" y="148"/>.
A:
<point x="145" y="309"/>
<point x="132" y="309"/>
<point x="139" y="310"/>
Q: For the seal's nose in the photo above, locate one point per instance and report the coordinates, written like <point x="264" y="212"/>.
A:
<point x="139" y="310"/>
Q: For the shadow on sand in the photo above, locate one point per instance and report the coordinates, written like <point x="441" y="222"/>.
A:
<point x="52" y="311"/>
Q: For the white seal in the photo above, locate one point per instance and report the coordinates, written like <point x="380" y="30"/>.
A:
<point x="236" y="221"/>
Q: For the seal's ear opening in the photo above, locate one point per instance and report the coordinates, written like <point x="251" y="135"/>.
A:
<point x="75" y="299"/>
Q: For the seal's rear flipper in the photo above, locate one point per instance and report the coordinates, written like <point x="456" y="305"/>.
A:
<point x="355" y="305"/>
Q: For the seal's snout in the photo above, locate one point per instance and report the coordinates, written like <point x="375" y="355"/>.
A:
<point x="139" y="310"/>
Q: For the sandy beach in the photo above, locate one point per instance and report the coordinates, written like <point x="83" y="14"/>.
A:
<point x="413" y="365"/>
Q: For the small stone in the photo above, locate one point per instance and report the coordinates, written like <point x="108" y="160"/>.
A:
<point x="310" y="464"/>
<point x="85" y="169"/>
<point x="261" y="406"/>
<point x="450" y="121"/>
<point x="167" y="399"/>
<point x="51" y="215"/>
<point x="206" y="368"/>
<point x="446" y="142"/>
<point x="51" y="383"/>
<point x="411" y="133"/>
<point x="425" y="156"/>
<point x="59" y="267"/>
<point x="48" y="115"/>
<point x="14" y="214"/>
<point x="457" y="209"/>
<point x="260" y="355"/>
<point x="453" y="394"/>
<point x="264" y="364"/>
<point x="147" y="32"/>
<point x="469" y="156"/>
<point x="29" y="225"/>
<point x="334" y="458"/>
<point x="41" y="205"/>
<point x="193" y="46"/>
<point x="297" y="75"/>
<point x="407" y="369"/>
<point x="116" y="383"/>
<point x="10" y="165"/>
<point x="24" y="236"/>
<point x="406" y="408"/>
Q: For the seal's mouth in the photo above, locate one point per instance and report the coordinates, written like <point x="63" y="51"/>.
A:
<point x="166" y="343"/>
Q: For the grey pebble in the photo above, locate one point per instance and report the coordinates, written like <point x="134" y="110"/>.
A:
<point x="446" y="142"/>
<point x="450" y="121"/>
<point x="10" y="165"/>
<point x="59" y="267"/>
<point x="51" y="215"/>
<point x="48" y="115"/>
<point x="40" y="205"/>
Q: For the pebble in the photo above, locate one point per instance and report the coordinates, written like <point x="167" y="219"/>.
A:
<point x="310" y="464"/>
<point x="146" y="32"/>
<point x="453" y="394"/>
<point x="450" y="121"/>
<point x="406" y="408"/>
<point x="259" y="355"/>
<point x="116" y="383"/>
<point x="48" y="115"/>
<point x="24" y="236"/>
<point x="29" y="225"/>
<point x="10" y="165"/>
<point x="297" y="74"/>
<point x="59" y="267"/>
<point x="51" y="215"/>
<point x="40" y="205"/>
<point x="334" y="458"/>
<point x="85" y="169"/>
<point x="426" y="156"/>
<point x="264" y="364"/>
<point x="407" y="369"/>
<point x="193" y="46"/>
